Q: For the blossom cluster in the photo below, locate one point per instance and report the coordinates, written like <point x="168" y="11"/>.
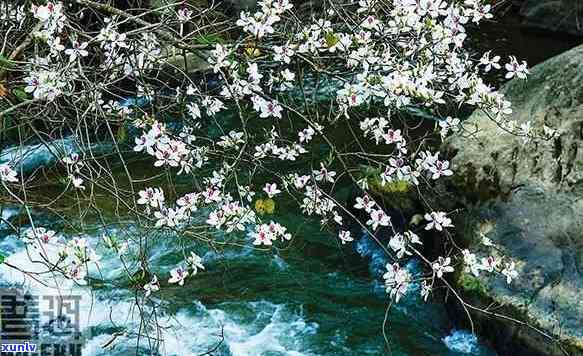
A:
<point x="170" y="152"/>
<point x="389" y="61"/>
<point x="7" y="174"/>
<point x="72" y="256"/>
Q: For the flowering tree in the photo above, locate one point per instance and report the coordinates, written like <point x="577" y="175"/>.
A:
<point x="284" y="102"/>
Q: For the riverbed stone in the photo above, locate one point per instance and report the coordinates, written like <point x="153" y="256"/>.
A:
<point x="532" y="197"/>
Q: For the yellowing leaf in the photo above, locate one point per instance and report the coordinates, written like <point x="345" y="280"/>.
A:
<point x="269" y="206"/>
<point x="260" y="206"/>
<point x="485" y="227"/>
<point x="331" y="39"/>
<point x="416" y="219"/>
<point x="252" y="52"/>
<point x="264" y="206"/>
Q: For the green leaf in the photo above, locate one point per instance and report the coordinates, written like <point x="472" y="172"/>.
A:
<point x="121" y="134"/>
<point x="5" y="62"/>
<point x="331" y="39"/>
<point x="20" y="94"/>
<point x="2" y="258"/>
<point x="210" y="39"/>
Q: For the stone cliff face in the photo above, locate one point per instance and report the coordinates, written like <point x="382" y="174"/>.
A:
<point x="532" y="197"/>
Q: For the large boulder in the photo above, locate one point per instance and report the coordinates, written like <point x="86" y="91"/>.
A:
<point x="530" y="196"/>
<point x="556" y="15"/>
<point x="552" y="95"/>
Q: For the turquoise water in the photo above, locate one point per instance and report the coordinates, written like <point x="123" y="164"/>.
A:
<point x="313" y="298"/>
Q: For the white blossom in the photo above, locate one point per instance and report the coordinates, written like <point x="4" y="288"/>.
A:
<point x="441" y="266"/>
<point x="510" y="272"/>
<point x="271" y="189"/>
<point x="515" y="69"/>
<point x="178" y="275"/>
<point x="345" y="236"/>
<point x="7" y="174"/>
<point x="397" y="281"/>
<point x="152" y="286"/>
<point x="437" y="220"/>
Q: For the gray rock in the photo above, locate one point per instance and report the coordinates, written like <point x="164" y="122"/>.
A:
<point x="534" y="201"/>
<point x="552" y="95"/>
<point x="556" y="15"/>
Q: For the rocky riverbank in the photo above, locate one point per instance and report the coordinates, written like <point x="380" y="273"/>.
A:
<point x="527" y="198"/>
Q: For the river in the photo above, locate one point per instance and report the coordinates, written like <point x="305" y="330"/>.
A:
<point x="313" y="298"/>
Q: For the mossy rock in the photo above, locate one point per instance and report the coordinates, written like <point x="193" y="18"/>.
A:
<point x="472" y="285"/>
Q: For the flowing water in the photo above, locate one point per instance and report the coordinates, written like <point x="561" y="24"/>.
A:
<point x="314" y="298"/>
<point x="311" y="299"/>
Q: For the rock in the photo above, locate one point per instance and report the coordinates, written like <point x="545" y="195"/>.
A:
<point x="553" y="96"/>
<point x="178" y="63"/>
<point x="556" y="15"/>
<point x="532" y="195"/>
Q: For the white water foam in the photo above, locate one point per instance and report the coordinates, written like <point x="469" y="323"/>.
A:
<point x="197" y="330"/>
<point x="27" y="158"/>
<point x="91" y="311"/>
<point x="462" y="341"/>
<point x="264" y="327"/>
<point x="9" y="212"/>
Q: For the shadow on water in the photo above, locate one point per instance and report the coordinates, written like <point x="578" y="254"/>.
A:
<point x="508" y="37"/>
